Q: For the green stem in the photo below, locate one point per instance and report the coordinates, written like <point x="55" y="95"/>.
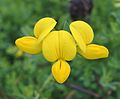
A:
<point x="44" y="86"/>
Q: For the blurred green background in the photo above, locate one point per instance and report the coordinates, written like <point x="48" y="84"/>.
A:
<point x="24" y="76"/>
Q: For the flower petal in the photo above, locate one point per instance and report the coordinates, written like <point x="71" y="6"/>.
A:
<point x="84" y="30"/>
<point x="78" y="38"/>
<point x="43" y="27"/>
<point x="67" y="45"/>
<point x="94" y="51"/>
<point x="28" y="44"/>
<point x="50" y="47"/>
<point x="59" y="45"/>
<point x="61" y="71"/>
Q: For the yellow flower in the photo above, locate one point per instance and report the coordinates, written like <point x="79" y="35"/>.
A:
<point x="33" y="45"/>
<point x="83" y="35"/>
<point x="59" y="47"/>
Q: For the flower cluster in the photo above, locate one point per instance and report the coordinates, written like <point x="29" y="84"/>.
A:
<point x="61" y="46"/>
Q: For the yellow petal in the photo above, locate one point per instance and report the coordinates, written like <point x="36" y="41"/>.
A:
<point x="61" y="71"/>
<point x="78" y="38"/>
<point x="59" y="45"/>
<point x="67" y="45"/>
<point x="94" y="51"/>
<point x="50" y="47"/>
<point x="43" y="27"/>
<point x="28" y="44"/>
<point x="84" y="30"/>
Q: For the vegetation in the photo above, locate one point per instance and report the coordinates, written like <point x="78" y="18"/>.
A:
<point x="24" y="76"/>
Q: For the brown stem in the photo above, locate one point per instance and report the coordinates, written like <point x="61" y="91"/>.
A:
<point x="81" y="89"/>
<point x="97" y="80"/>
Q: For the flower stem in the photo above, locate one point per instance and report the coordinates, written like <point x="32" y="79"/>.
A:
<point x="47" y="81"/>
